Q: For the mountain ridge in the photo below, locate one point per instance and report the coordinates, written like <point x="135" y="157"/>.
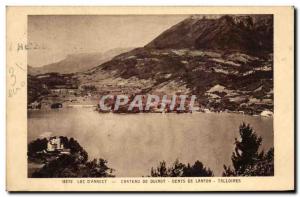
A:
<point x="217" y="59"/>
<point x="182" y="60"/>
<point x="77" y="62"/>
<point x="242" y="33"/>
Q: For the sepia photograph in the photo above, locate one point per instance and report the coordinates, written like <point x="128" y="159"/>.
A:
<point x="150" y="99"/>
<point x="158" y="96"/>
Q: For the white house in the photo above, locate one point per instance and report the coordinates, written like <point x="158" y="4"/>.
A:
<point x="266" y="113"/>
<point x="54" y="144"/>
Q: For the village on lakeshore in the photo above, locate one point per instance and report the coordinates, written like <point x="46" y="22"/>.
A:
<point x="217" y="99"/>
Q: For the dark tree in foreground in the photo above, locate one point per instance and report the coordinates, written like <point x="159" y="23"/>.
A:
<point x="37" y="146"/>
<point x="35" y="150"/>
<point x="181" y="170"/>
<point x="160" y="171"/>
<point x="57" y="168"/>
<point x="246" y="158"/>
<point x="75" y="164"/>
<point x="197" y="170"/>
<point x="98" y="169"/>
<point x="72" y="166"/>
<point x="74" y="147"/>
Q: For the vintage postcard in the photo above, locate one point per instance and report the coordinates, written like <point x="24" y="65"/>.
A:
<point x="150" y="98"/>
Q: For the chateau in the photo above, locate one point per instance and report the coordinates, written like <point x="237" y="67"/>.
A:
<point x="55" y="145"/>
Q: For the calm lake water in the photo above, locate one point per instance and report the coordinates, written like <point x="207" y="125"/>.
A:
<point x="134" y="143"/>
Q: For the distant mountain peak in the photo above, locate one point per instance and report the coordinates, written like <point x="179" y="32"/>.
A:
<point x="250" y="33"/>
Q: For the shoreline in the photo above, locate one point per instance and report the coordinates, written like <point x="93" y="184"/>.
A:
<point x="149" y="112"/>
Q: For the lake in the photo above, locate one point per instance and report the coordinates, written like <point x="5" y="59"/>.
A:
<point x="133" y="143"/>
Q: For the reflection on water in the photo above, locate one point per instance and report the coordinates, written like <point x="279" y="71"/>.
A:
<point x="134" y="143"/>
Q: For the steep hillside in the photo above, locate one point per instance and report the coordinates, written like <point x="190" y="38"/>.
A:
<point x="250" y="34"/>
<point x="227" y="62"/>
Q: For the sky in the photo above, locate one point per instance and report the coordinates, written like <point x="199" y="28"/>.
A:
<point x="55" y="37"/>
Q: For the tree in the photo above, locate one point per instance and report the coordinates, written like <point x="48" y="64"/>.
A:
<point x="264" y="167"/>
<point x="160" y="171"/>
<point x="75" y="164"/>
<point x="35" y="149"/>
<point x="57" y="167"/>
<point x="70" y="166"/>
<point x="74" y="147"/>
<point x="98" y="169"/>
<point x="246" y="158"/>
<point x="197" y="170"/>
<point x="37" y="145"/>
<point x="179" y="169"/>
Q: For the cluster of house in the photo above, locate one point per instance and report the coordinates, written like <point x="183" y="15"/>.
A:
<point x="64" y="90"/>
<point x="56" y="91"/>
<point x="35" y="105"/>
